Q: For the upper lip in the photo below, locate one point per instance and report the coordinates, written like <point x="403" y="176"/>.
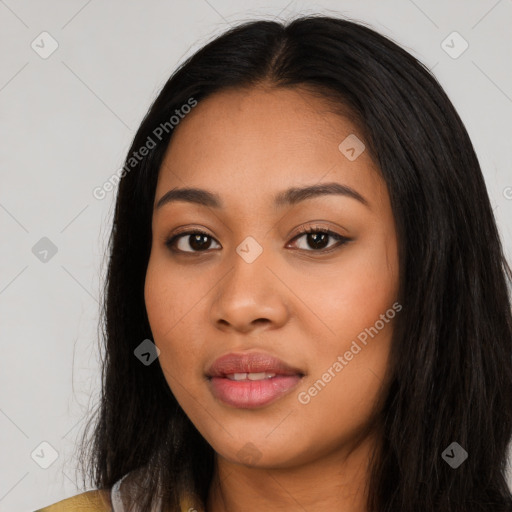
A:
<point x="254" y="362"/>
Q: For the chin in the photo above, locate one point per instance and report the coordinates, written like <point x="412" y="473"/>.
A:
<point x="259" y="452"/>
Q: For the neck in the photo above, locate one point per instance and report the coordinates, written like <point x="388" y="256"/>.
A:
<point x="335" y="481"/>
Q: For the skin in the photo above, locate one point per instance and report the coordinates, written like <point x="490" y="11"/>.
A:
<point x="292" y="301"/>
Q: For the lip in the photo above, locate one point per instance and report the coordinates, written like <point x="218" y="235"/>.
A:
<point x="250" y="362"/>
<point x="248" y="394"/>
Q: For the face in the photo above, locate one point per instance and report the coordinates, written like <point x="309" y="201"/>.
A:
<point x="241" y="281"/>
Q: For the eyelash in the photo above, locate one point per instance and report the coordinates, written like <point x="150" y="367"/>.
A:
<point x="170" y="243"/>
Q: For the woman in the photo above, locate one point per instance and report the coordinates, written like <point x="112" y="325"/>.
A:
<point x="306" y="306"/>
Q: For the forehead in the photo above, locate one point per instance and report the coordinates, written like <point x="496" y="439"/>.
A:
<point x="252" y="141"/>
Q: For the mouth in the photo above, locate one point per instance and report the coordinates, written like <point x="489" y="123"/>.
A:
<point x="251" y="380"/>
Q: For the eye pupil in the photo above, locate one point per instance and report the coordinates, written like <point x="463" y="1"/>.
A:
<point x="318" y="240"/>
<point x="197" y="242"/>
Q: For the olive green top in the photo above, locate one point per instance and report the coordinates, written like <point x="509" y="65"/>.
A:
<point x="99" y="501"/>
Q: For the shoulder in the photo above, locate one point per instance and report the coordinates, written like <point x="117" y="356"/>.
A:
<point x="90" y="501"/>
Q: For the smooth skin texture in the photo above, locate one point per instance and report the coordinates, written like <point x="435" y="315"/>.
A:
<point x="302" y="304"/>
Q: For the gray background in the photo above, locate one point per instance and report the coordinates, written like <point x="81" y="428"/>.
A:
<point x="66" y="124"/>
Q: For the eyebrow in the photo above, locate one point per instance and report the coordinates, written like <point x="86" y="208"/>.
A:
<point x="287" y="197"/>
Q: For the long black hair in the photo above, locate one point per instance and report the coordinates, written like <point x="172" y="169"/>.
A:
<point x="451" y="354"/>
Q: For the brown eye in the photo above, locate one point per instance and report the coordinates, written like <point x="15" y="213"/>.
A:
<point x="317" y="239"/>
<point x="198" y="241"/>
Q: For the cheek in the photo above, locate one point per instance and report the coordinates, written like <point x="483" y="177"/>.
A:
<point x="342" y="408"/>
<point x="167" y="307"/>
<point x="167" y="298"/>
<point x="157" y="294"/>
<point x="347" y="378"/>
<point x="356" y="293"/>
<point x="175" y="307"/>
<point x="357" y="307"/>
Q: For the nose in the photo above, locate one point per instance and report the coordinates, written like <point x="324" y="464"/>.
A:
<point x="250" y="295"/>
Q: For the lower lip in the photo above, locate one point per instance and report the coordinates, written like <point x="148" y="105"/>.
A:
<point x="249" y="394"/>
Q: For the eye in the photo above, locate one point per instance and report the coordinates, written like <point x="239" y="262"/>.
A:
<point x="200" y="241"/>
<point x="195" y="239"/>
<point x="316" y="237"/>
